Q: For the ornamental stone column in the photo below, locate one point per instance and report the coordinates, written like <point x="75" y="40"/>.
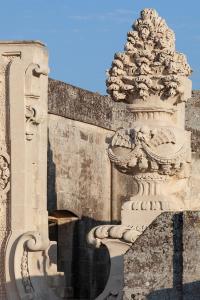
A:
<point x="24" y="243"/>
<point x="151" y="77"/>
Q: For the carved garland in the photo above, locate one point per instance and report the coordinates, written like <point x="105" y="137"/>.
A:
<point x="26" y="281"/>
<point x="144" y="156"/>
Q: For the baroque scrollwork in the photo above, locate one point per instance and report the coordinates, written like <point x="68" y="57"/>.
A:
<point x="32" y="121"/>
<point x="149" y="66"/>
<point x="29" y="242"/>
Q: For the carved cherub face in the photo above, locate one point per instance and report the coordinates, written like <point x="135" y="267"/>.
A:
<point x="170" y="39"/>
<point x="3" y="164"/>
<point x="163" y="43"/>
<point x="144" y="14"/>
<point x="135" y="35"/>
<point x="144" y="32"/>
<point x="120" y="55"/>
<point x="147" y="13"/>
<point x="166" y="169"/>
<point x="142" y="134"/>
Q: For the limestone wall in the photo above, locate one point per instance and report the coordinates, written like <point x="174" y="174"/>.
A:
<point x="81" y="179"/>
<point x="164" y="262"/>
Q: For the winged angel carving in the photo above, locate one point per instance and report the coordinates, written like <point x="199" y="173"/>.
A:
<point x="144" y="150"/>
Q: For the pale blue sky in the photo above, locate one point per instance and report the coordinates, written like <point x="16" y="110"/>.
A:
<point x="83" y="35"/>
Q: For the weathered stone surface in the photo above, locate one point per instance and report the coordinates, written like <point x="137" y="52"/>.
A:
<point x="82" y="168"/>
<point x="24" y="240"/>
<point x="81" y="105"/>
<point x="155" y="151"/>
<point x="101" y="111"/>
<point x="62" y="107"/>
<point x="164" y="262"/>
<point x="192" y="119"/>
<point x="79" y="181"/>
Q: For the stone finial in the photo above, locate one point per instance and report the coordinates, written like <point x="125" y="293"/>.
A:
<point x="149" y="66"/>
<point x="154" y="151"/>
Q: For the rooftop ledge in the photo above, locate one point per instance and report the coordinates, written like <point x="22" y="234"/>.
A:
<point x="23" y="42"/>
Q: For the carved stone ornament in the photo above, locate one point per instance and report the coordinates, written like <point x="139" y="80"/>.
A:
<point x="149" y="66"/>
<point x="4" y="172"/>
<point x="33" y="276"/>
<point x="161" y="152"/>
<point x="157" y="158"/>
<point x="152" y="78"/>
<point x="32" y="121"/>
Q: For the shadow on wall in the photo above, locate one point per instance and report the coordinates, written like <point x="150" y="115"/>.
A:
<point x="165" y="256"/>
<point x="190" y="291"/>
<point x="79" y="263"/>
<point x="51" y="180"/>
<point x="86" y="269"/>
<point x="180" y="291"/>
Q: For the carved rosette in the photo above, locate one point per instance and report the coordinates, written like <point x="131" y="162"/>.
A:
<point x="149" y="66"/>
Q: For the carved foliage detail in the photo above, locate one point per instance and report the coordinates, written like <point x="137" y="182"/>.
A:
<point x="150" y="65"/>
